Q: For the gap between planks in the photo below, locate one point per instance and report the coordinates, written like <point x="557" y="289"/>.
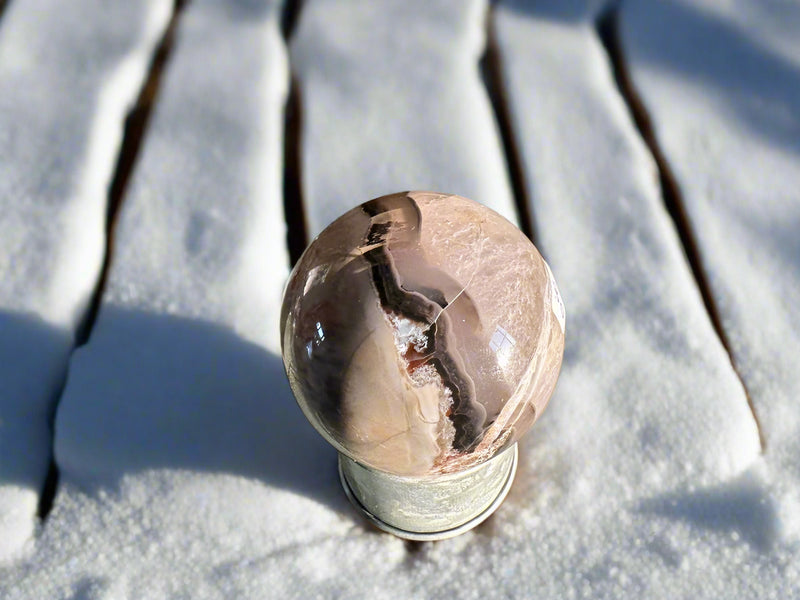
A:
<point x="491" y="67"/>
<point x="294" y="213"/>
<point x="607" y="27"/>
<point x="135" y="128"/>
<point x="491" y="70"/>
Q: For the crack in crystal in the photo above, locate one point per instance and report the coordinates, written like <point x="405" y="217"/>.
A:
<point x="471" y="277"/>
<point x="467" y="414"/>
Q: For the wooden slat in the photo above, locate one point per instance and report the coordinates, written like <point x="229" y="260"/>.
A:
<point x="177" y="428"/>
<point x="68" y="75"/>
<point x="199" y="247"/>
<point x="724" y="100"/>
<point x="392" y="101"/>
<point x="187" y="469"/>
<point x="648" y="406"/>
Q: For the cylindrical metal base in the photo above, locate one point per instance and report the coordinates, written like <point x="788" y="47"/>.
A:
<point x="429" y="508"/>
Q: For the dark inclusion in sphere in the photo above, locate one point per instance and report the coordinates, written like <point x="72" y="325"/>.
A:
<point x="422" y="333"/>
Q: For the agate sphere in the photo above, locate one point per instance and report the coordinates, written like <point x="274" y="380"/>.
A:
<point x="422" y="333"/>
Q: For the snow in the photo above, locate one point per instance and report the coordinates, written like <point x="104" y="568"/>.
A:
<point x="186" y="468"/>
<point x="392" y="101"/>
<point x="727" y="116"/>
<point x="62" y="127"/>
<point x="176" y="434"/>
<point x="662" y="451"/>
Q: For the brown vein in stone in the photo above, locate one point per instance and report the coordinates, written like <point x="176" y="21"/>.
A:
<point x="135" y="128"/>
<point x="467" y="419"/>
<point x="607" y="27"/>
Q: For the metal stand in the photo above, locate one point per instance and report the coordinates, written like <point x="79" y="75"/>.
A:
<point x="429" y="508"/>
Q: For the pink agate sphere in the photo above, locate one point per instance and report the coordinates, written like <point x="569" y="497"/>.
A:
<point x="422" y="333"/>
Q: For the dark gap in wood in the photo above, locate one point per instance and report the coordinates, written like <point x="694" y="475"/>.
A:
<point x="491" y="66"/>
<point x="607" y="26"/>
<point x="291" y="13"/>
<point x="48" y="494"/>
<point x="296" y="227"/>
<point x="294" y="213"/>
<point x="135" y="127"/>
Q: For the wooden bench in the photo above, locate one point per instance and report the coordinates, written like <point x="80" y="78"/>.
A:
<point x="162" y="166"/>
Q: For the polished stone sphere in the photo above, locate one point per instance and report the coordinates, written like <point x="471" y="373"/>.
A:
<point x="422" y="333"/>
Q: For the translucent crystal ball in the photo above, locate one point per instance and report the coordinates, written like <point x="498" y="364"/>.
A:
<point x="422" y="333"/>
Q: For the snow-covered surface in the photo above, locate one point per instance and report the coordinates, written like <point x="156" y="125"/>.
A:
<point x="62" y="106"/>
<point x="392" y="100"/>
<point x="186" y="470"/>
<point x="176" y="429"/>
<point x="648" y="401"/>
<point x="727" y="116"/>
